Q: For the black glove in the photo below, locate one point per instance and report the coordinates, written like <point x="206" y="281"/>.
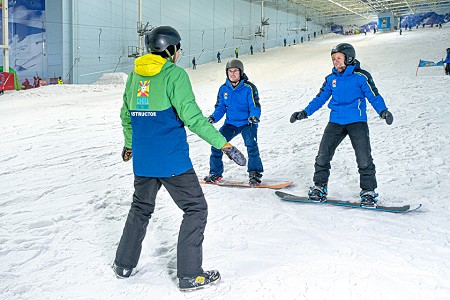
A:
<point x="253" y="120"/>
<point x="385" y="114"/>
<point x="211" y="119"/>
<point x="298" y="115"/>
<point x="126" y="154"/>
<point x="234" y="154"/>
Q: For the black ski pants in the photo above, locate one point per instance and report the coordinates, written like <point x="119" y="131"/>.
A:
<point x="185" y="190"/>
<point x="359" y="136"/>
<point x="447" y="69"/>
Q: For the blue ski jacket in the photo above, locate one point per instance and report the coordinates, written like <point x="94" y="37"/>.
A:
<point x="238" y="103"/>
<point x="447" y="59"/>
<point x="348" y="92"/>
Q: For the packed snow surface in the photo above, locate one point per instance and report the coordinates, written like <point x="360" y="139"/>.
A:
<point x="65" y="192"/>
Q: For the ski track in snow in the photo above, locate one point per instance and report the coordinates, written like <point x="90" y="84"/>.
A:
<point x="65" y="193"/>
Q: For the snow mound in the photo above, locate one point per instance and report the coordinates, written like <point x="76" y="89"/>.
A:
<point x="112" y="78"/>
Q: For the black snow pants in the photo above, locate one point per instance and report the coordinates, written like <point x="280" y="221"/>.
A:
<point x="359" y="136"/>
<point x="447" y="69"/>
<point x="185" y="190"/>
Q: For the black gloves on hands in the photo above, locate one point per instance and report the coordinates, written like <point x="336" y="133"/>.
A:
<point x="298" y="115"/>
<point x="253" y="120"/>
<point x="385" y="114"/>
<point x="126" y="154"/>
<point x="234" y="154"/>
<point x="211" y="119"/>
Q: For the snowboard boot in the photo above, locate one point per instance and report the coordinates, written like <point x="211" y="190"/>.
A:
<point x="211" y="178"/>
<point x="318" y="193"/>
<point x="254" y="178"/>
<point x="368" y="198"/>
<point x="121" y="272"/>
<point x="197" y="282"/>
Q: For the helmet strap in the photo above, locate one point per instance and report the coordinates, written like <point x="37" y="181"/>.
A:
<point x="342" y="69"/>
<point x="234" y="83"/>
<point x="171" y="57"/>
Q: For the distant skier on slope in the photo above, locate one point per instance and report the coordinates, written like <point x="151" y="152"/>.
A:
<point x="158" y="103"/>
<point x="447" y="62"/>
<point x="348" y="86"/>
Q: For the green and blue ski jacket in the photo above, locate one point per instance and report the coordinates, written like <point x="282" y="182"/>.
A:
<point x="157" y="103"/>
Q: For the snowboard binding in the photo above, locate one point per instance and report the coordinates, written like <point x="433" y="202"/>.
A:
<point x="318" y="193"/>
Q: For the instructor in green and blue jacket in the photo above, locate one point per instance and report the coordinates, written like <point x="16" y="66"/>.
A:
<point x="158" y="103"/>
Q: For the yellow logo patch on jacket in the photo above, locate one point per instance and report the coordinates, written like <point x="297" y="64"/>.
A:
<point x="144" y="88"/>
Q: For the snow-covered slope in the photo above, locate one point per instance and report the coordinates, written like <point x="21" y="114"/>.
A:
<point x="65" y="192"/>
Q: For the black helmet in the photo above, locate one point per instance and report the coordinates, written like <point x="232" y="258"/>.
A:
<point x="235" y="63"/>
<point x="448" y="49"/>
<point x="160" y="38"/>
<point x="347" y="50"/>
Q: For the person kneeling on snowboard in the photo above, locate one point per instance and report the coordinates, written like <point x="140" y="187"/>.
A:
<point x="348" y="86"/>
<point x="158" y="103"/>
<point x="237" y="98"/>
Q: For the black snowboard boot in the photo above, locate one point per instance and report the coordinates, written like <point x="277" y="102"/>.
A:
<point x="122" y="272"/>
<point x="254" y="178"/>
<point x="368" y="198"/>
<point x="197" y="282"/>
<point x="211" y="178"/>
<point x="318" y="192"/>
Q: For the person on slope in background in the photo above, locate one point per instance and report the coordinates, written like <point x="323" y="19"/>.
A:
<point x="157" y="103"/>
<point x="218" y="58"/>
<point x="348" y="86"/>
<point x="238" y="98"/>
<point x="447" y="62"/>
<point x="26" y="84"/>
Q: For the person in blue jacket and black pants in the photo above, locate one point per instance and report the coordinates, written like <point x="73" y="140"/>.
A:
<point x="447" y="62"/>
<point x="238" y="98"/>
<point x="348" y="86"/>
